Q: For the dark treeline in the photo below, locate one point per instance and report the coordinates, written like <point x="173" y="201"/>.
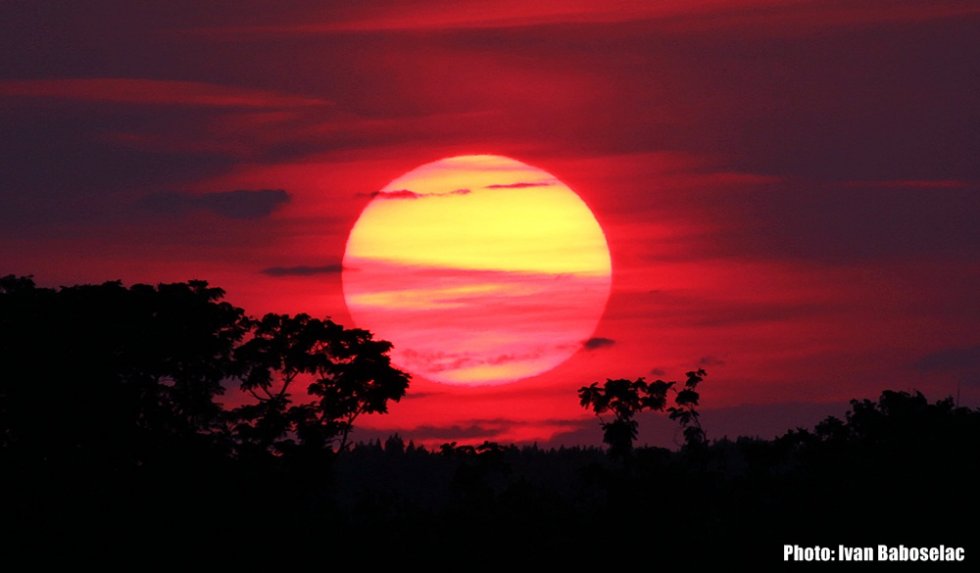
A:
<point x="111" y="434"/>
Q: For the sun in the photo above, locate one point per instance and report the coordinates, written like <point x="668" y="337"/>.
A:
<point x="480" y="269"/>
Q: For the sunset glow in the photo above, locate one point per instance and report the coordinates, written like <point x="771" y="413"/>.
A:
<point x="783" y="193"/>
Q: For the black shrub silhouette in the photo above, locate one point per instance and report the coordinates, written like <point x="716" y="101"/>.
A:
<point x="624" y="399"/>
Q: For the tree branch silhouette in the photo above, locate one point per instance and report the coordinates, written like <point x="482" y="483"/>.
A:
<point x="624" y="399"/>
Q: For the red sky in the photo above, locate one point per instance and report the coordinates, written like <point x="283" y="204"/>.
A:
<point x="789" y="189"/>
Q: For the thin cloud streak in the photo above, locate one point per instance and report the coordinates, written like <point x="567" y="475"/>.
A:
<point x="521" y="185"/>
<point x="303" y="270"/>
<point x="153" y="92"/>
<point x="673" y="15"/>
<point x="238" y="204"/>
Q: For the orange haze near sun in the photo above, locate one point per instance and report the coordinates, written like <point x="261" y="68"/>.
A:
<point x="480" y="269"/>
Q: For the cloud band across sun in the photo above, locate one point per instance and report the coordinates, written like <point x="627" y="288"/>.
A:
<point x="489" y="286"/>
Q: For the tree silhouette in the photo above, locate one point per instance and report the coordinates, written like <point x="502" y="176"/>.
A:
<point x="685" y="412"/>
<point x="624" y="399"/>
<point x="123" y="374"/>
<point x="112" y="373"/>
<point x="347" y="372"/>
<point x="280" y="349"/>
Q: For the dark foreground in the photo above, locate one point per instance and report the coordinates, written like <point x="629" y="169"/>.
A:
<point x="112" y="445"/>
<point x="897" y="472"/>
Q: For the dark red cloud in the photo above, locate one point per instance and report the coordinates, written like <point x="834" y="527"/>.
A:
<point x="598" y="342"/>
<point x="303" y="270"/>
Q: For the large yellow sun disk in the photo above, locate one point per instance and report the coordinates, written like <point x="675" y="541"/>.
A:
<point x="473" y="249"/>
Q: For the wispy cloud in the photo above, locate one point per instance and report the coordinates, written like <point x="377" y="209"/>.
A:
<point x="964" y="358"/>
<point x="490" y="428"/>
<point x="710" y="361"/>
<point x="238" y="204"/>
<point x="396" y="194"/>
<point x="520" y="185"/>
<point x="455" y="432"/>
<point x="409" y="194"/>
<point x="913" y="184"/>
<point x="303" y="270"/>
<point x="153" y="92"/>
<point x="516" y="15"/>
